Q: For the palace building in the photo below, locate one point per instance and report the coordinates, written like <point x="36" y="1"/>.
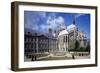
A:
<point x="36" y="42"/>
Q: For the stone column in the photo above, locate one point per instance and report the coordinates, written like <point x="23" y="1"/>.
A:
<point x="60" y="40"/>
<point x="67" y="42"/>
<point x="36" y="44"/>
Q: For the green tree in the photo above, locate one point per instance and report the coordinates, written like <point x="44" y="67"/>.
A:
<point x="82" y="49"/>
<point x="88" y="48"/>
<point x="71" y="44"/>
<point x="77" y="44"/>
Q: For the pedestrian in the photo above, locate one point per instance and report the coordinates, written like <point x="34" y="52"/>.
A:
<point x="73" y="57"/>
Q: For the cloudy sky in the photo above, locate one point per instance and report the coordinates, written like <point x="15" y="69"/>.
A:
<point x="39" y="20"/>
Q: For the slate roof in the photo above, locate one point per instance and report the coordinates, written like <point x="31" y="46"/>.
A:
<point x="37" y="33"/>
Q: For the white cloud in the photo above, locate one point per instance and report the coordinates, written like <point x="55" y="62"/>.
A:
<point x="43" y="28"/>
<point x="78" y="15"/>
<point x="41" y="14"/>
<point x="59" y="20"/>
<point x="49" y="20"/>
<point x="34" y="19"/>
<point x="35" y="27"/>
<point x="54" y="22"/>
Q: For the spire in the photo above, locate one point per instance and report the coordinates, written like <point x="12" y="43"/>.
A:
<point x="74" y="21"/>
<point x="50" y="30"/>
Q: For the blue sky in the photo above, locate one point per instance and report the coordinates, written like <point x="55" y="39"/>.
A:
<point x="39" y="20"/>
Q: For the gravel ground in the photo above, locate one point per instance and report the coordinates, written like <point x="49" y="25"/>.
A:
<point x="57" y="58"/>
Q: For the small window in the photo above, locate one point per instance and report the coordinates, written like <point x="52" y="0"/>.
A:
<point x="31" y="45"/>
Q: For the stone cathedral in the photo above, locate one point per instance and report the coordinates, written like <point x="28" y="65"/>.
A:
<point x="57" y="42"/>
